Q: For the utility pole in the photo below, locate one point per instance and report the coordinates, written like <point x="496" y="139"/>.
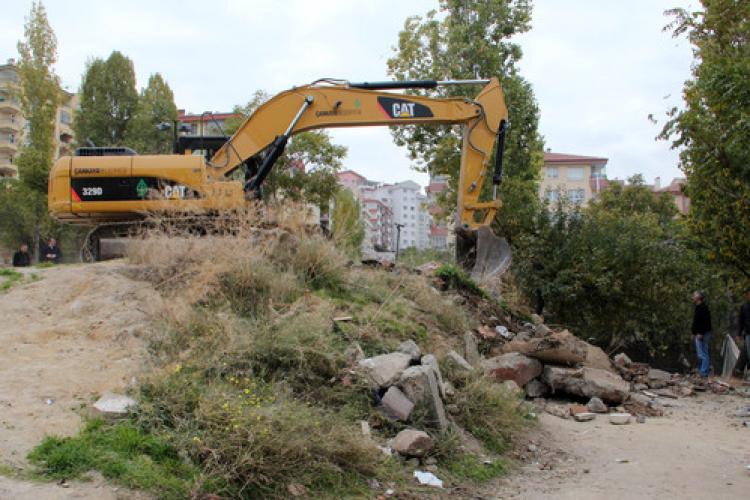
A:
<point x="398" y="238"/>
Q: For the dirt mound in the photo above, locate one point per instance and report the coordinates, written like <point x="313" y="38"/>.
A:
<point x="68" y="336"/>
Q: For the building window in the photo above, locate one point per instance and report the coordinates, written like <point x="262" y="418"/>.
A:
<point x="576" y="196"/>
<point x="65" y="117"/>
<point x="552" y="172"/>
<point x="575" y="173"/>
<point x="552" y="196"/>
<point x="12" y="138"/>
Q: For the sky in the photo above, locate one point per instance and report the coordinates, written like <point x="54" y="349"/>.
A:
<point x="598" y="67"/>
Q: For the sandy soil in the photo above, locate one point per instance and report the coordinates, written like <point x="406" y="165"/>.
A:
<point x="65" y="338"/>
<point x="699" y="450"/>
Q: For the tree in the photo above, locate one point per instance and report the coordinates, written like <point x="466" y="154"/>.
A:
<point x="307" y="169"/>
<point x="713" y="130"/>
<point x="619" y="272"/>
<point x="155" y="106"/>
<point x="348" y="227"/>
<point x="473" y="37"/>
<point x="23" y="205"/>
<point x="108" y="101"/>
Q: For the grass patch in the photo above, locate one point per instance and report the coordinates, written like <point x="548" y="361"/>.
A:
<point x="121" y="452"/>
<point x="470" y="467"/>
<point x="9" y="278"/>
<point x="490" y="413"/>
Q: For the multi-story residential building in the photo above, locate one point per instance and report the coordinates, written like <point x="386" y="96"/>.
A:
<point x="576" y="178"/>
<point x="13" y="125"/>
<point x="441" y="237"/>
<point x="390" y="204"/>
<point x="676" y="189"/>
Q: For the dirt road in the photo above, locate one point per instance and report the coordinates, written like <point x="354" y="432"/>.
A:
<point x="700" y="451"/>
<point x="64" y="339"/>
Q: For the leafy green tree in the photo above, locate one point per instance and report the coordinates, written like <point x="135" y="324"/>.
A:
<point x="619" y="272"/>
<point x="713" y="130"/>
<point x="155" y="107"/>
<point x="108" y="101"/>
<point x="23" y="204"/>
<point x="474" y="37"/>
<point x="307" y="169"/>
<point x="348" y="227"/>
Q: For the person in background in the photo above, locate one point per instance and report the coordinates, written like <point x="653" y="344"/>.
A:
<point x="22" y="258"/>
<point x="51" y="252"/>
<point x="702" y="333"/>
<point x="743" y="324"/>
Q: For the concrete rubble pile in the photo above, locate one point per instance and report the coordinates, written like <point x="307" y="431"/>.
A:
<point x="549" y="363"/>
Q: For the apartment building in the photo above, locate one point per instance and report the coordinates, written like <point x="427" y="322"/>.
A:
<point x="441" y="237"/>
<point x="13" y="125"/>
<point x="385" y="205"/>
<point x="676" y="190"/>
<point x="578" y="179"/>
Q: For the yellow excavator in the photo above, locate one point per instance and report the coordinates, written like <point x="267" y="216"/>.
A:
<point x="114" y="189"/>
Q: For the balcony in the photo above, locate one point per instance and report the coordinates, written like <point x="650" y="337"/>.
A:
<point x="8" y="124"/>
<point x="598" y="183"/>
<point x="7" y="145"/>
<point x="10" y="105"/>
<point x="7" y="169"/>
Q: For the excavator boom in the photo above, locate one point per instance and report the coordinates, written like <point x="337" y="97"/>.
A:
<point x="116" y="185"/>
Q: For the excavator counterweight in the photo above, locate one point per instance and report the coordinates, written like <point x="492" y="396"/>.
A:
<point x="115" y="188"/>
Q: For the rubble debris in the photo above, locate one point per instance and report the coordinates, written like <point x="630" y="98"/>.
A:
<point x="431" y="361"/>
<point x="428" y="479"/>
<point x="657" y="379"/>
<point x="419" y="384"/>
<point x="619" y="418"/>
<point x="558" y="347"/>
<point x="512" y="366"/>
<point x="427" y="268"/>
<point x="111" y="405"/>
<point x="640" y="419"/>
<point x="597" y="358"/>
<point x="587" y="382"/>
<point x="396" y="404"/>
<point x="471" y="349"/>
<point x="411" y="348"/>
<point x="365" y="428"/>
<point x="457" y="361"/>
<point x="412" y="443"/>
<point x="385" y="370"/>
<point x="576" y="409"/>
<point x="622" y="360"/>
<point x="584" y="417"/>
<point x="448" y="390"/>
<point x="557" y="410"/>
<point x="536" y="389"/>
<point x="542" y="330"/>
<point x="596" y="405"/>
<point x="487" y="332"/>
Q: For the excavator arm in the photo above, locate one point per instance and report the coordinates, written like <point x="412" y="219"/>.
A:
<point x="340" y="104"/>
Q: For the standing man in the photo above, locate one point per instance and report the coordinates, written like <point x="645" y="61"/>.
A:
<point x="22" y="258"/>
<point x="51" y="252"/>
<point x="743" y="324"/>
<point x="702" y="333"/>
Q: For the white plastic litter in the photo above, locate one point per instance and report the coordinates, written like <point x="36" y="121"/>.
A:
<point x="428" y="478"/>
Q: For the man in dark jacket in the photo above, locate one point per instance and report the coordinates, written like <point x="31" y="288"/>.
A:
<point x="702" y="333"/>
<point x="743" y="324"/>
<point x="22" y="258"/>
<point x="51" y="252"/>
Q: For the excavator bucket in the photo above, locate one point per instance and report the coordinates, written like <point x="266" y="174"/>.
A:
<point x="482" y="253"/>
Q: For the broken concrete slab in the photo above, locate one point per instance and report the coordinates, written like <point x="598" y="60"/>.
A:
<point x="657" y="379"/>
<point x="111" y="405"/>
<point x="536" y="389"/>
<point x="584" y="417"/>
<point x="587" y="382"/>
<point x="412" y="443"/>
<point x="420" y="385"/>
<point x="456" y="361"/>
<point x="396" y="404"/>
<point x="411" y="348"/>
<point x="558" y="347"/>
<point x="385" y="370"/>
<point x="431" y="361"/>
<point x="512" y="366"/>
<point x="471" y="349"/>
<point x="619" y="418"/>
<point x="596" y="405"/>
